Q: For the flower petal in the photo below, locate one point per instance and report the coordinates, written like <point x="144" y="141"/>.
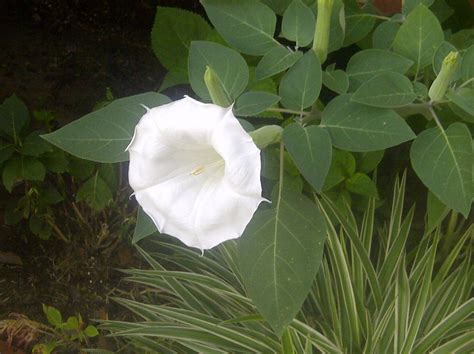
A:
<point x="195" y="172"/>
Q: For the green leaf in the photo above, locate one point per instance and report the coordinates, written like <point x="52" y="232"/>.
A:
<point x="343" y="165"/>
<point x="227" y="65"/>
<point x="175" y="76"/>
<point x="81" y="169"/>
<point x="13" y="117"/>
<point x="336" y="81"/>
<point x="443" y="161"/>
<point x="463" y="98"/>
<point x="50" y="195"/>
<point x="436" y="211"/>
<point x="311" y="150"/>
<point x="144" y="227"/>
<point x="360" y="183"/>
<point x="252" y="103"/>
<point x="467" y="66"/>
<point x="22" y="168"/>
<point x="368" y="161"/>
<point x="276" y="60"/>
<point x="388" y="90"/>
<point x="357" y="127"/>
<point x="6" y="150"/>
<point x="72" y="323"/>
<point x="298" y="24"/>
<point x="419" y="36"/>
<point x="104" y="134"/>
<point x="53" y="315"/>
<point x="39" y="227"/>
<point x="300" y="86"/>
<point x="55" y="161"/>
<point x="91" y="331"/>
<point x="247" y="25"/>
<point x="279" y="256"/>
<point x="358" y="25"/>
<point x="384" y="35"/>
<point x="95" y="192"/>
<point x="410" y="5"/>
<point x="172" y="33"/>
<point x="33" y="145"/>
<point x="365" y="64"/>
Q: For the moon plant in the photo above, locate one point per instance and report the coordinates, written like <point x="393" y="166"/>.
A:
<point x="195" y="172"/>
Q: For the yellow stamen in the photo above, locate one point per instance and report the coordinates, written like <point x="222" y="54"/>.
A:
<point x="198" y="170"/>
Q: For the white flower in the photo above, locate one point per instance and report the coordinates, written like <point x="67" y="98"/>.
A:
<point x="195" y="172"/>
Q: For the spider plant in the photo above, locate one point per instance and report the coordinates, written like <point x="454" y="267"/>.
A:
<point x="382" y="288"/>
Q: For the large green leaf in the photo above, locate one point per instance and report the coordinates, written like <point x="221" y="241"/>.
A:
<point x="228" y="66"/>
<point x="357" y="127"/>
<point x="279" y="255"/>
<point x="311" y="150"/>
<point x="172" y="33"/>
<point x="254" y="102"/>
<point x="104" y="134"/>
<point x="419" y="37"/>
<point x="298" y="24"/>
<point x="370" y="62"/>
<point x="144" y="227"/>
<point x="13" y="116"/>
<point x="276" y="60"/>
<point x="443" y="160"/>
<point x="388" y="89"/>
<point x="247" y="25"/>
<point x="300" y="86"/>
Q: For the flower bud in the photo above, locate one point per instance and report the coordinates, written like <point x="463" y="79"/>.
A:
<point x="215" y="88"/>
<point x="440" y="84"/>
<point x="323" y="26"/>
<point x="267" y="135"/>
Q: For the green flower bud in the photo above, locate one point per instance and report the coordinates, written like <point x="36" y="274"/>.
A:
<point x="440" y="84"/>
<point x="267" y="135"/>
<point x="215" y="88"/>
<point x="323" y="26"/>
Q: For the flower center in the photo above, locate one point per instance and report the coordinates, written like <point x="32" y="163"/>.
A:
<point x="214" y="166"/>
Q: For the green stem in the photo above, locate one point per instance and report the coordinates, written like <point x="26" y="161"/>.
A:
<point x="289" y="111"/>
<point x="466" y="83"/>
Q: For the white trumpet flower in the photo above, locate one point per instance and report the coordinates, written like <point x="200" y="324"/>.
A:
<point x="195" y="172"/>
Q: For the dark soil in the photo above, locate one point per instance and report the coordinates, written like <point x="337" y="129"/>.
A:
<point x="61" y="56"/>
